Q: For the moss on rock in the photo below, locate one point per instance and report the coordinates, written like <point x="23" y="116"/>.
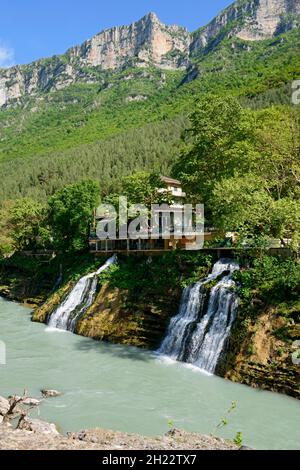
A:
<point x="41" y="314"/>
<point x="116" y="318"/>
<point x="258" y="356"/>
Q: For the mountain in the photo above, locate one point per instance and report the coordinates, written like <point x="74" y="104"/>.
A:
<point x="119" y="102"/>
<point x="148" y="42"/>
<point x="251" y="20"/>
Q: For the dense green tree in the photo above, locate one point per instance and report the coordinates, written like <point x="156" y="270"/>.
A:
<point x="217" y="144"/>
<point x="244" y="204"/>
<point x="277" y="141"/>
<point x="142" y="188"/>
<point x="245" y="166"/>
<point x="71" y="213"/>
<point x="6" y="241"/>
<point x="107" y="161"/>
<point x="27" y="224"/>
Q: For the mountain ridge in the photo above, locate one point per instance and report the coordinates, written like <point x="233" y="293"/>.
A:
<point x="148" y="42"/>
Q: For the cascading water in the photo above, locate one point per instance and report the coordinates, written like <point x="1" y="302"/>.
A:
<point x="198" y="333"/>
<point x="80" y="298"/>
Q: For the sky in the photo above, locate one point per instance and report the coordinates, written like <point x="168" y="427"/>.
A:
<point x="33" y="29"/>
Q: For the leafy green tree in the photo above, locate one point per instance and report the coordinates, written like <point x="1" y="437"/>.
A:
<point x="217" y="144"/>
<point x="6" y="241"/>
<point x="272" y="278"/>
<point x="27" y="224"/>
<point x="71" y="213"/>
<point x="285" y="220"/>
<point x="277" y="141"/>
<point x="241" y="203"/>
<point x="142" y="188"/>
<point x="245" y="166"/>
<point x="244" y="204"/>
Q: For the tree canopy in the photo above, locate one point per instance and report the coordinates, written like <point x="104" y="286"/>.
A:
<point x="245" y="166"/>
<point x="70" y="214"/>
<point x="27" y="224"/>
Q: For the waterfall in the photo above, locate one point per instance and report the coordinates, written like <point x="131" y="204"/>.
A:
<point x="81" y="297"/>
<point x="198" y="333"/>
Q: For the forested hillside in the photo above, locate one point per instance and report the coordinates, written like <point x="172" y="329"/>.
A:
<point x="151" y="147"/>
<point x="51" y="129"/>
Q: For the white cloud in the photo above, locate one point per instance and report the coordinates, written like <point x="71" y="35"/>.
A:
<point x="7" y="55"/>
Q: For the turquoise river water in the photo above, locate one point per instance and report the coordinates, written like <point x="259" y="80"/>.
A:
<point x="126" y="389"/>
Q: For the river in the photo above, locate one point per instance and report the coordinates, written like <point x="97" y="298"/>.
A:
<point x="126" y="389"/>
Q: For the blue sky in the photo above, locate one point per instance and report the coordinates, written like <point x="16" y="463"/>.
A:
<point x="32" y="29"/>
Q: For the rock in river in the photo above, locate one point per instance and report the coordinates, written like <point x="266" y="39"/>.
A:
<point x="50" y="393"/>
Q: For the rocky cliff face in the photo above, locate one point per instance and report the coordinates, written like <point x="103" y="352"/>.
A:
<point x="145" y="42"/>
<point x="267" y="18"/>
<point x="260" y="349"/>
<point x="148" y="42"/>
<point x="250" y="20"/>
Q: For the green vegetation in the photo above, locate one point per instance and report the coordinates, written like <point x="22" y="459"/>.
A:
<point x="63" y="224"/>
<point x="151" y="148"/>
<point x="238" y="439"/>
<point x="94" y="130"/>
<point x="27" y="222"/>
<point x="141" y="188"/>
<point x="84" y="113"/>
<point x="32" y="280"/>
<point x="270" y="284"/>
<point x="140" y="275"/>
<point x="244" y="165"/>
<point x="71" y="215"/>
<point x="271" y="279"/>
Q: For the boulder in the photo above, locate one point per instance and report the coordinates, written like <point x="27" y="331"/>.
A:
<point x="37" y="426"/>
<point x="4" y="406"/>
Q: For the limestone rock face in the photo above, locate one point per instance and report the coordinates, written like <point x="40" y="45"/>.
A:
<point x="251" y="20"/>
<point x="269" y="17"/>
<point x="147" y="42"/>
<point x="38" y="76"/>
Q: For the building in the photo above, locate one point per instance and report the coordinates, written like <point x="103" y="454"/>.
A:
<point x="157" y="241"/>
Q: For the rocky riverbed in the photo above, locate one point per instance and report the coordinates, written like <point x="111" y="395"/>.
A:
<point x="18" y="431"/>
<point x="100" y="439"/>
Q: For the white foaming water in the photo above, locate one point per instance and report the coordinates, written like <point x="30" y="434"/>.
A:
<point x="81" y="297"/>
<point x="198" y="333"/>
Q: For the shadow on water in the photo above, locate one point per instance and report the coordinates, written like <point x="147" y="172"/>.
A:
<point x="114" y="350"/>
